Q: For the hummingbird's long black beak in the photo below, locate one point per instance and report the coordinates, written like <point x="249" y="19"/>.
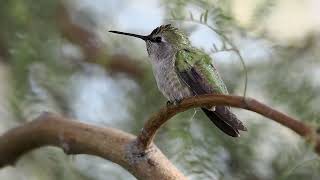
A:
<point x="133" y="35"/>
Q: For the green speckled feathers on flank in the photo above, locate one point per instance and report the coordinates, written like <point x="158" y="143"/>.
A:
<point x="197" y="62"/>
<point x="195" y="69"/>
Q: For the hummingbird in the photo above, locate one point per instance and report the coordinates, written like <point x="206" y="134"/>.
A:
<point x="182" y="70"/>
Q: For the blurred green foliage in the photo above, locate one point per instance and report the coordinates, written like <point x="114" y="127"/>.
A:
<point x="31" y="36"/>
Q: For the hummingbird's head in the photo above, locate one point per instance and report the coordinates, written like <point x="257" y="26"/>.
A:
<point x="166" y="38"/>
<point x="162" y="41"/>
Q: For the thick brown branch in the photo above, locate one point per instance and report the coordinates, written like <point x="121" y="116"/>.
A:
<point x="78" y="138"/>
<point x="158" y="119"/>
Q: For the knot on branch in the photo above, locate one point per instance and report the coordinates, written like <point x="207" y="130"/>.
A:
<point x="136" y="153"/>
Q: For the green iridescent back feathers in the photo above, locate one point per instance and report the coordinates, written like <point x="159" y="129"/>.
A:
<point x="188" y="57"/>
<point x="191" y="58"/>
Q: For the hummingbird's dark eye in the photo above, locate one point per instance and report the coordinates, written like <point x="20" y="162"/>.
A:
<point x="158" y="39"/>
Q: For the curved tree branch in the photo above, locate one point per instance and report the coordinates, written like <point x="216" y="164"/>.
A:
<point x="136" y="154"/>
<point x="79" y="138"/>
<point x="151" y="127"/>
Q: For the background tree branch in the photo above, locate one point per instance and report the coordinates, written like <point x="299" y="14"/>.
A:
<point x="138" y="155"/>
<point x="94" y="50"/>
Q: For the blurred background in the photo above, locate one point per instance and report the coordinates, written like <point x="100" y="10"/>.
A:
<point x="57" y="56"/>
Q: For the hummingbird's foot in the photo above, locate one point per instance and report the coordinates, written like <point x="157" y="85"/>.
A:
<point x="175" y="102"/>
<point x="169" y="103"/>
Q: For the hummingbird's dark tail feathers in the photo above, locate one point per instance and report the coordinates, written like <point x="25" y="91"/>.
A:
<point x="225" y="120"/>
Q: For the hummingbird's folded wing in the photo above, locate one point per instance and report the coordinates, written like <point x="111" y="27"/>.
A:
<point x="195" y="69"/>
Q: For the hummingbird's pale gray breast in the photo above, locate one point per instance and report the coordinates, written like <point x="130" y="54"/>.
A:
<point x="168" y="82"/>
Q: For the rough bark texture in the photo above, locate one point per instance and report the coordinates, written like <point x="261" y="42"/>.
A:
<point x="136" y="154"/>
<point x="79" y="138"/>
